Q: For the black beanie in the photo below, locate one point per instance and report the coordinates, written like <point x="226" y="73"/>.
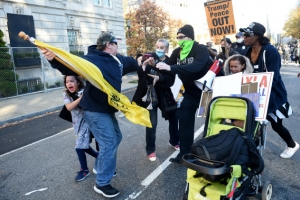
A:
<point x="187" y="30"/>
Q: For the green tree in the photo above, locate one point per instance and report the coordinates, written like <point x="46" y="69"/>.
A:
<point x="292" y="24"/>
<point x="7" y="76"/>
<point x="148" y="23"/>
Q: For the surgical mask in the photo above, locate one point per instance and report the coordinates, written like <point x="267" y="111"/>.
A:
<point x="223" y="49"/>
<point x="160" y="53"/>
<point x="240" y="40"/>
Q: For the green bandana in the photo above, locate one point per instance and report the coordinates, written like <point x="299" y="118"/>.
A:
<point x="186" y="47"/>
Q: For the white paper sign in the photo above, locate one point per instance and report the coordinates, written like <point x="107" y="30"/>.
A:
<point x="176" y="87"/>
<point x="265" y="81"/>
<point x="226" y="85"/>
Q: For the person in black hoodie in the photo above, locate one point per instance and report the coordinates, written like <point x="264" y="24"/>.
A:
<point x="191" y="62"/>
<point x="153" y="91"/>
<point x="98" y="114"/>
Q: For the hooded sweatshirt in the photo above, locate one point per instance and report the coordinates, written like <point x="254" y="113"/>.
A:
<point x="273" y="64"/>
<point x="93" y="99"/>
<point x="191" y="68"/>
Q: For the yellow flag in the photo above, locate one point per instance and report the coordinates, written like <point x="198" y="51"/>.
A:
<point x="89" y="71"/>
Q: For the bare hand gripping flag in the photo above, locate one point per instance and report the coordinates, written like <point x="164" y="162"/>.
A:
<point x="89" y="71"/>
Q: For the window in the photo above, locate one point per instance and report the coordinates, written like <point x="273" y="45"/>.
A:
<point x="76" y="1"/>
<point x="97" y="2"/>
<point x="73" y="36"/>
<point x="107" y="3"/>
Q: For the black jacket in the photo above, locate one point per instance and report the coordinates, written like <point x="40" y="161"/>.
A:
<point x="94" y="99"/>
<point x="166" y="102"/>
<point x="192" y="68"/>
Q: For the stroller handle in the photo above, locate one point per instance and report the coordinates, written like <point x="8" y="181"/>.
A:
<point x="204" y="166"/>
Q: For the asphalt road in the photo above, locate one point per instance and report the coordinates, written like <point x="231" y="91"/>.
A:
<point x="52" y="163"/>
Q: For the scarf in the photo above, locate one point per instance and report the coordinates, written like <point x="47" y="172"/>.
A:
<point x="186" y="47"/>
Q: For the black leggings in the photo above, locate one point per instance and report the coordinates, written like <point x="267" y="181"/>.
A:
<point x="82" y="157"/>
<point x="282" y="131"/>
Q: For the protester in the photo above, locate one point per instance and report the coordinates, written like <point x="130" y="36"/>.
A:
<point x="98" y="114"/>
<point x="239" y="45"/>
<point x="71" y="100"/>
<point x="153" y="91"/>
<point x="191" y="62"/>
<point x="286" y="54"/>
<point x="264" y="57"/>
<point x="212" y="52"/>
<point x="237" y="63"/>
<point x="222" y="55"/>
<point x="297" y="55"/>
<point x="231" y="52"/>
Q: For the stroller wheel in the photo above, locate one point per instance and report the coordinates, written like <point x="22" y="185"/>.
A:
<point x="266" y="192"/>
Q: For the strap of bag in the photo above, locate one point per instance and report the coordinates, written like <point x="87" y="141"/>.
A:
<point x="264" y="59"/>
<point x="120" y="64"/>
<point x="255" y="157"/>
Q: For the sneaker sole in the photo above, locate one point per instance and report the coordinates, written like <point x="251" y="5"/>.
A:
<point x="95" y="172"/>
<point x="287" y="156"/>
<point x="106" y="195"/>
<point x="82" y="178"/>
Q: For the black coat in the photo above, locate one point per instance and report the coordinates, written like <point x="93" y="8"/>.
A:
<point x="166" y="102"/>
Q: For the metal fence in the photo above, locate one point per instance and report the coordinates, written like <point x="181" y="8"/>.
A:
<point x="24" y="70"/>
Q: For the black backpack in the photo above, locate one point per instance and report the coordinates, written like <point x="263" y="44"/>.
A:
<point x="232" y="146"/>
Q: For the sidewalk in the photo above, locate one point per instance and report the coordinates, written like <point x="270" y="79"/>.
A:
<point x="19" y="108"/>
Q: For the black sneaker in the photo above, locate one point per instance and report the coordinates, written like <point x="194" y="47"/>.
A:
<point x="175" y="160"/>
<point x="107" y="190"/>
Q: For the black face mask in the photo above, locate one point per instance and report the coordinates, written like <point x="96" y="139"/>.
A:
<point x="223" y="50"/>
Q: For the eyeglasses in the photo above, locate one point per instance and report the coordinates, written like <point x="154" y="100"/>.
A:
<point x="181" y="37"/>
<point x="237" y="37"/>
<point x="248" y="34"/>
<point x="114" y="43"/>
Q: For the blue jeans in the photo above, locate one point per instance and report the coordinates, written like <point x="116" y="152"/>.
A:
<point x="107" y="133"/>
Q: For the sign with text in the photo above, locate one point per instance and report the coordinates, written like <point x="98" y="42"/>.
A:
<point x="220" y="18"/>
<point x="264" y="80"/>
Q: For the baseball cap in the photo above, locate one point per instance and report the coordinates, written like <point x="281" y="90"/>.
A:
<point x="106" y="37"/>
<point x="255" y="28"/>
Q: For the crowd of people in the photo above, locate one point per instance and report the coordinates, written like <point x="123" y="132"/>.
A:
<point x="91" y="113"/>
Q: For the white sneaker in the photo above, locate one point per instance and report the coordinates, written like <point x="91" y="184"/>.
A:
<point x="152" y="156"/>
<point x="95" y="172"/>
<point x="176" y="147"/>
<point x="289" y="152"/>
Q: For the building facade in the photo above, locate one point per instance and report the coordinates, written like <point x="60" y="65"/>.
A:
<point x="68" y="24"/>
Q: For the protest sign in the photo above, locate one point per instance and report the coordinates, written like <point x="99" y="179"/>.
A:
<point x="264" y="88"/>
<point x="220" y="19"/>
<point x="263" y="80"/>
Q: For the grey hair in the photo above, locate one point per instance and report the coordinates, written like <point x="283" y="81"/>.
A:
<point x="166" y="42"/>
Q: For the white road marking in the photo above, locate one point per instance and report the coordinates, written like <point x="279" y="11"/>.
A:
<point x="146" y="182"/>
<point x="35" y="142"/>
<point x="149" y="179"/>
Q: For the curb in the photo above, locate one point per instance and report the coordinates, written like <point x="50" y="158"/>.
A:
<point x="57" y="108"/>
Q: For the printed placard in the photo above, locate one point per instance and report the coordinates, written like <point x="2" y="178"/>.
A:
<point x="220" y="19"/>
<point x="264" y="80"/>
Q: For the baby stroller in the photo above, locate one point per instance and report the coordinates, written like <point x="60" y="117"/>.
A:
<point x="226" y="163"/>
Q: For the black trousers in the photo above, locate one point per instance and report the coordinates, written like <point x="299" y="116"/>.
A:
<point x="186" y="115"/>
